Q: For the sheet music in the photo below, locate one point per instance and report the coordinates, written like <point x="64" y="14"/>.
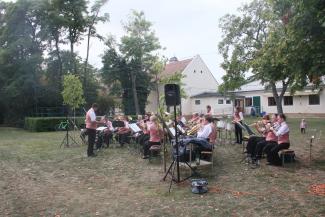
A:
<point x="172" y="130"/>
<point x="180" y="129"/>
<point x="135" y="128"/>
<point x="101" y="128"/>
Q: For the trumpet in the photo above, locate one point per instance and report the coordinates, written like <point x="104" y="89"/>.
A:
<point x="193" y="130"/>
<point x="257" y="123"/>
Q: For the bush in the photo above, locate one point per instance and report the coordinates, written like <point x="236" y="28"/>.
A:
<point x="44" y="124"/>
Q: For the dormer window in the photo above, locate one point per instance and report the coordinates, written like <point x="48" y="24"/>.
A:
<point x="194" y="71"/>
<point x="201" y="71"/>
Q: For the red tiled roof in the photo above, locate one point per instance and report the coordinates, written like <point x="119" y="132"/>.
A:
<point x="177" y="66"/>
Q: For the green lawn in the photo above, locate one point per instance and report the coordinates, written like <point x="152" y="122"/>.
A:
<point x="40" y="179"/>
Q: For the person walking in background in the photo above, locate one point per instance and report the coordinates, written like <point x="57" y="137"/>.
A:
<point x="91" y="125"/>
<point x="303" y="126"/>
<point x="237" y="120"/>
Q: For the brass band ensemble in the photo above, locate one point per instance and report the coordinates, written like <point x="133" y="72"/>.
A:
<point x="272" y="133"/>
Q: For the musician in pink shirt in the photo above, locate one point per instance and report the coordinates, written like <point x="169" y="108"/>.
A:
<point x="283" y="141"/>
<point x="108" y="132"/>
<point x="91" y="125"/>
<point x="155" y="133"/>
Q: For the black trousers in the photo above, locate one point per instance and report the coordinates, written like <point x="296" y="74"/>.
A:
<point x="143" y="139"/>
<point x="303" y="130"/>
<point x="251" y="144"/>
<point x="147" y="146"/>
<point x="274" y="157"/>
<point x="239" y="134"/>
<point x="108" y="135"/>
<point x="91" y="141"/>
<point x="269" y="145"/>
<point x="260" y="148"/>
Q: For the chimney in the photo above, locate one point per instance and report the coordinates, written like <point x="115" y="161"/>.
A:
<point x="173" y="59"/>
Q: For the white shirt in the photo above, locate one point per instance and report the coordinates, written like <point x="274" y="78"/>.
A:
<point x="204" y="132"/>
<point x="283" y="129"/>
<point x="92" y="115"/>
<point x="241" y="116"/>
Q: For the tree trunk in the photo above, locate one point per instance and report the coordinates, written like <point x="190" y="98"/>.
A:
<point x="278" y="98"/>
<point x="59" y="58"/>
<point x="87" y="56"/>
<point x="73" y="66"/>
<point x="135" y="96"/>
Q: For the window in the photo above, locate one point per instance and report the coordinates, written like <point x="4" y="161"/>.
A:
<point x="288" y="100"/>
<point x="194" y="71"/>
<point x="314" y="100"/>
<point x="228" y="101"/>
<point x="271" y="101"/>
<point x="197" y="102"/>
<point x="201" y="71"/>
<point x="248" y="101"/>
<point x="220" y="101"/>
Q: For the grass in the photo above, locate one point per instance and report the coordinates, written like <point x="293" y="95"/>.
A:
<point x="40" y="179"/>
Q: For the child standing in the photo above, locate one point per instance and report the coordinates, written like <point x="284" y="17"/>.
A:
<point x="303" y="126"/>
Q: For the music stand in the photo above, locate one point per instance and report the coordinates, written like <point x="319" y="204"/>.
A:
<point x="175" y="163"/>
<point x="66" y="140"/>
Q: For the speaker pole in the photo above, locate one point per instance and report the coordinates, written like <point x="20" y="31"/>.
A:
<point x="177" y="145"/>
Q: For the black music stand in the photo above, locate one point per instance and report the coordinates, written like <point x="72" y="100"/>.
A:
<point x="175" y="163"/>
<point x="66" y="142"/>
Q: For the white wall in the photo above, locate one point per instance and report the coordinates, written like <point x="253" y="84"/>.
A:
<point x="198" y="79"/>
<point x="194" y="82"/>
<point x="218" y="109"/>
<point x="300" y="103"/>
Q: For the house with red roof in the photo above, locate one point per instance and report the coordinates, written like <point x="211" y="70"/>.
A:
<point x="197" y="78"/>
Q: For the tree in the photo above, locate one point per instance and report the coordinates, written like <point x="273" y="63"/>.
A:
<point x="305" y="24"/>
<point x="72" y="92"/>
<point x="137" y="47"/>
<point x="92" y="20"/>
<point x="20" y="58"/>
<point x="75" y="22"/>
<point x="257" y="41"/>
<point x="131" y="63"/>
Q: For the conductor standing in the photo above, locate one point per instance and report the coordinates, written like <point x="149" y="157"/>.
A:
<point x="91" y="125"/>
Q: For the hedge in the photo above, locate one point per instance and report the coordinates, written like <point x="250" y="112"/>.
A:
<point x="44" y="124"/>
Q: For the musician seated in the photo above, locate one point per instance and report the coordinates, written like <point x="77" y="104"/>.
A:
<point x="260" y="126"/>
<point x="201" y="141"/>
<point x="195" y="118"/>
<point x="270" y="139"/>
<point x="282" y="133"/>
<point x="155" y="136"/>
<point x="124" y="132"/>
<point x="144" y="125"/>
<point x="108" y="132"/>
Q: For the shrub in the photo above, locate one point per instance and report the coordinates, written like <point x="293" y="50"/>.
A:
<point x="44" y="124"/>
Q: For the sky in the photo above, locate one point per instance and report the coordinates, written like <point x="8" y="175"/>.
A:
<point x="185" y="28"/>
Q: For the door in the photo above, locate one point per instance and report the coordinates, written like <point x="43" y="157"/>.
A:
<point x="257" y="104"/>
